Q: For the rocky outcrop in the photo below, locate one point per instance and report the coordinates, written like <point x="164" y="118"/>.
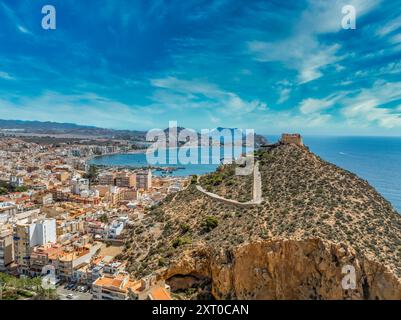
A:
<point x="285" y="269"/>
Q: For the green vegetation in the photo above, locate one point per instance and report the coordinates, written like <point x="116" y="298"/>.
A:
<point x="210" y="223"/>
<point x="180" y="241"/>
<point x="3" y="191"/>
<point x="92" y="174"/>
<point x="104" y="218"/>
<point x="6" y="188"/>
<point x="21" y="189"/>
<point x="227" y="184"/>
<point x="12" y="288"/>
<point x="184" y="228"/>
<point x="194" y="179"/>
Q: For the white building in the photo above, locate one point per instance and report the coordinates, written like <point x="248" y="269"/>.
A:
<point x="115" y="229"/>
<point x="27" y="236"/>
<point x="7" y="211"/>
<point x="80" y="185"/>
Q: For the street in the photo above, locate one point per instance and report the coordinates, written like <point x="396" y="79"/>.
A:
<point x="76" y="294"/>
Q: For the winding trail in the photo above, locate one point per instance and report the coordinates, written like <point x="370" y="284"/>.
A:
<point x="256" y="193"/>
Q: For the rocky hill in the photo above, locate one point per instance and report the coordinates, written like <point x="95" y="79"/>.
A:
<point x="316" y="218"/>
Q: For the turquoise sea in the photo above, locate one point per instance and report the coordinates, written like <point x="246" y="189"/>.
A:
<point x="376" y="159"/>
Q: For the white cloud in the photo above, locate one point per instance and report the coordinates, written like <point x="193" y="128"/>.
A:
<point x="396" y="39"/>
<point x="85" y="108"/>
<point x="302" y="50"/>
<point x="391" y="68"/>
<point x="5" y="76"/>
<point x="182" y="94"/>
<point x="284" y="95"/>
<point x="311" y="105"/>
<point x="370" y="111"/>
<point x="23" y="29"/>
<point x="389" y="27"/>
<point x="368" y="105"/>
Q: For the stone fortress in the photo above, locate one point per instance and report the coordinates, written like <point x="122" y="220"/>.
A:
<point x="291" y="138"/>
<point x="286" y="138"/>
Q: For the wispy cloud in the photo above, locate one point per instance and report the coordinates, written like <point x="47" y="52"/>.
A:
<point x="84" y="108"/>
<point x="13" y="17"/>
<point x="5" y="76"/>
<point x="369" y="106"/>
<point x="312" y="105"/>
<point x="23" y="29"/>
<point x="200" y="94"/>
<point x="302" y="50"/>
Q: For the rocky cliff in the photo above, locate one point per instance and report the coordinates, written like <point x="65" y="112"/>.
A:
<point x="283" y="269"/>
<point x="316" y="220"/>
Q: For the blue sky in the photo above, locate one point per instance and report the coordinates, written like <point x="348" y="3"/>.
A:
<point x="272" y="66"/>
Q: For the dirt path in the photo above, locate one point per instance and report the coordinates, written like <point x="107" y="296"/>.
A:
<point x="257" y="191"/>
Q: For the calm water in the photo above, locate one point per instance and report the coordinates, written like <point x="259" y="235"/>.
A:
<point x="376" y="159"/>
<point x="209" y="159"/>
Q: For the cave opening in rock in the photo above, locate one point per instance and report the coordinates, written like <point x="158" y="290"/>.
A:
<point x="192" y="286"/>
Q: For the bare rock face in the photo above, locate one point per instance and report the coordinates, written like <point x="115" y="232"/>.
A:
<point x="286" y="269"/>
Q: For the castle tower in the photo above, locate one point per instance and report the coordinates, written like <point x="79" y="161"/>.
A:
<point x="294" y="138"/>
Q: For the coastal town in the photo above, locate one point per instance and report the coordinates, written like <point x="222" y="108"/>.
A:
<point x="62" y="216"/>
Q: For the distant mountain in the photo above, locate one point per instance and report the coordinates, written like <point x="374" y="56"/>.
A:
<point x="39" y="125"/>
<point x="54" y="128"/>
<point x="72" y="129"/>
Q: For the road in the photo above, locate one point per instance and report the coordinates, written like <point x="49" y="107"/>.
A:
<point x="257" y="185"/>
<point x="76" y="295"/>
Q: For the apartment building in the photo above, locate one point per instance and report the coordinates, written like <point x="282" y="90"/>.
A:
<point x="118" y="287"/>
<point x="129" y="194"/>
<point x="144" y="179"/>
<point x="43" y="256"/>
<point x="126" y="180"/>
<point x="115" y="229"/>
<point x="107" y="179"/>
<point x="6" y="248"/>
<point x="96" y="227"/>
<point x="121" y="287"/>
<point x="27" y="236"/>
<point x="7" y="210"/>
<point x="79" y="186"/>
<point x="72" y="259"/>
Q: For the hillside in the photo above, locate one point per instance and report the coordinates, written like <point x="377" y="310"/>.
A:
<point x="227" y="184"/>
<point x="315" y="219"/>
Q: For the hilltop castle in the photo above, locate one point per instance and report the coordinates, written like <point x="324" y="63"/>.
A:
<point x="294" y="138"/>
<point x="286" y="138"/>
